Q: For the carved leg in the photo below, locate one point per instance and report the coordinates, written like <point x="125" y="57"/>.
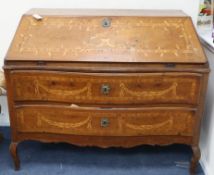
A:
<point x="195" y="159"/>
<point x="14" y="154"/>
<point x="1" y="137"/>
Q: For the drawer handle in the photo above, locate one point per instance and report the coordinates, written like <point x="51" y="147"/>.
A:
<point x="104" y="122"/>
<point x="105" y="89"/>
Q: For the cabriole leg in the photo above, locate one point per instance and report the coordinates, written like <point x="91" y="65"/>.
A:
<point x="1" y="137"/>
<point x="195" y="159"/>
<point x="14" y="154"/>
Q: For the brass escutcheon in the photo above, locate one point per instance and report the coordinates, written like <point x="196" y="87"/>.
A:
<point x="104" y="122"/>
<point x="105" y="89"/>
<point x="106" y="22"/>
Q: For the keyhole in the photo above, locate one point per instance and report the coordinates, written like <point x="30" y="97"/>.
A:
<point x="106" y="22"/>
<point x="104" y="122"/>
<point x="105" y="89"/>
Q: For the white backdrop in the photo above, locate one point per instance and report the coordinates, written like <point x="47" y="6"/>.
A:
<point x="11" y="11"/>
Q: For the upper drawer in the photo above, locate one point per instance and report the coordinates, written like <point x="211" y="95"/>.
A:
<point x="99" y="88"/>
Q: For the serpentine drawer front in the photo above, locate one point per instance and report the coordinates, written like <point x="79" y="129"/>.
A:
<point x="103" y="122"/>
<point x="144" y="88"/>
<point x="106" y="78"/>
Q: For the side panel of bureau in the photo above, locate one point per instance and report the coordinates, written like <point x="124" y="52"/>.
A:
<point x="141" y="88"/>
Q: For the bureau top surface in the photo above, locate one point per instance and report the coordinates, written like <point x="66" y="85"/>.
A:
<point x="106" y="36"/>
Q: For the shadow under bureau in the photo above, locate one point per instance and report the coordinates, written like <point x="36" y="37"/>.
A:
<point x="106" y="78"/>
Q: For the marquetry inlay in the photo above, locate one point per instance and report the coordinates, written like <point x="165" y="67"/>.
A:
<point x="88" y="121"/>
<point x="86" y="88"/>
<point x="106" y="78"/>
<point x="85" y="38"/>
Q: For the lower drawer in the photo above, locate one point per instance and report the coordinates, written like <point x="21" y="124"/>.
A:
<point x="105" y="122"/>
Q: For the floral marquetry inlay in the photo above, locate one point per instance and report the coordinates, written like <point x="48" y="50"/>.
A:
<point x="127" y="39"/>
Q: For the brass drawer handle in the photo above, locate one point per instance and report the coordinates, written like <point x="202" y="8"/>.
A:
<point x="105" y="89"/>
<point x="106" y="22"/>
<point x="104" y="122"/>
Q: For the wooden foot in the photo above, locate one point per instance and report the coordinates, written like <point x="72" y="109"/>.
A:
<point x="195" y="159"/>
<point x="1" y="137"/>
<point x="14" y="154"/>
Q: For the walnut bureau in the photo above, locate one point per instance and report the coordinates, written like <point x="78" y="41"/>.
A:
<point x="106" y="78"/>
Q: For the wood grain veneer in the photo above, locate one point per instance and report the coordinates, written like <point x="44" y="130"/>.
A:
<point x="106" y="78"/>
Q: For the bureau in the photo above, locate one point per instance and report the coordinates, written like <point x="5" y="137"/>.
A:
<point x="106" y="78"/>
